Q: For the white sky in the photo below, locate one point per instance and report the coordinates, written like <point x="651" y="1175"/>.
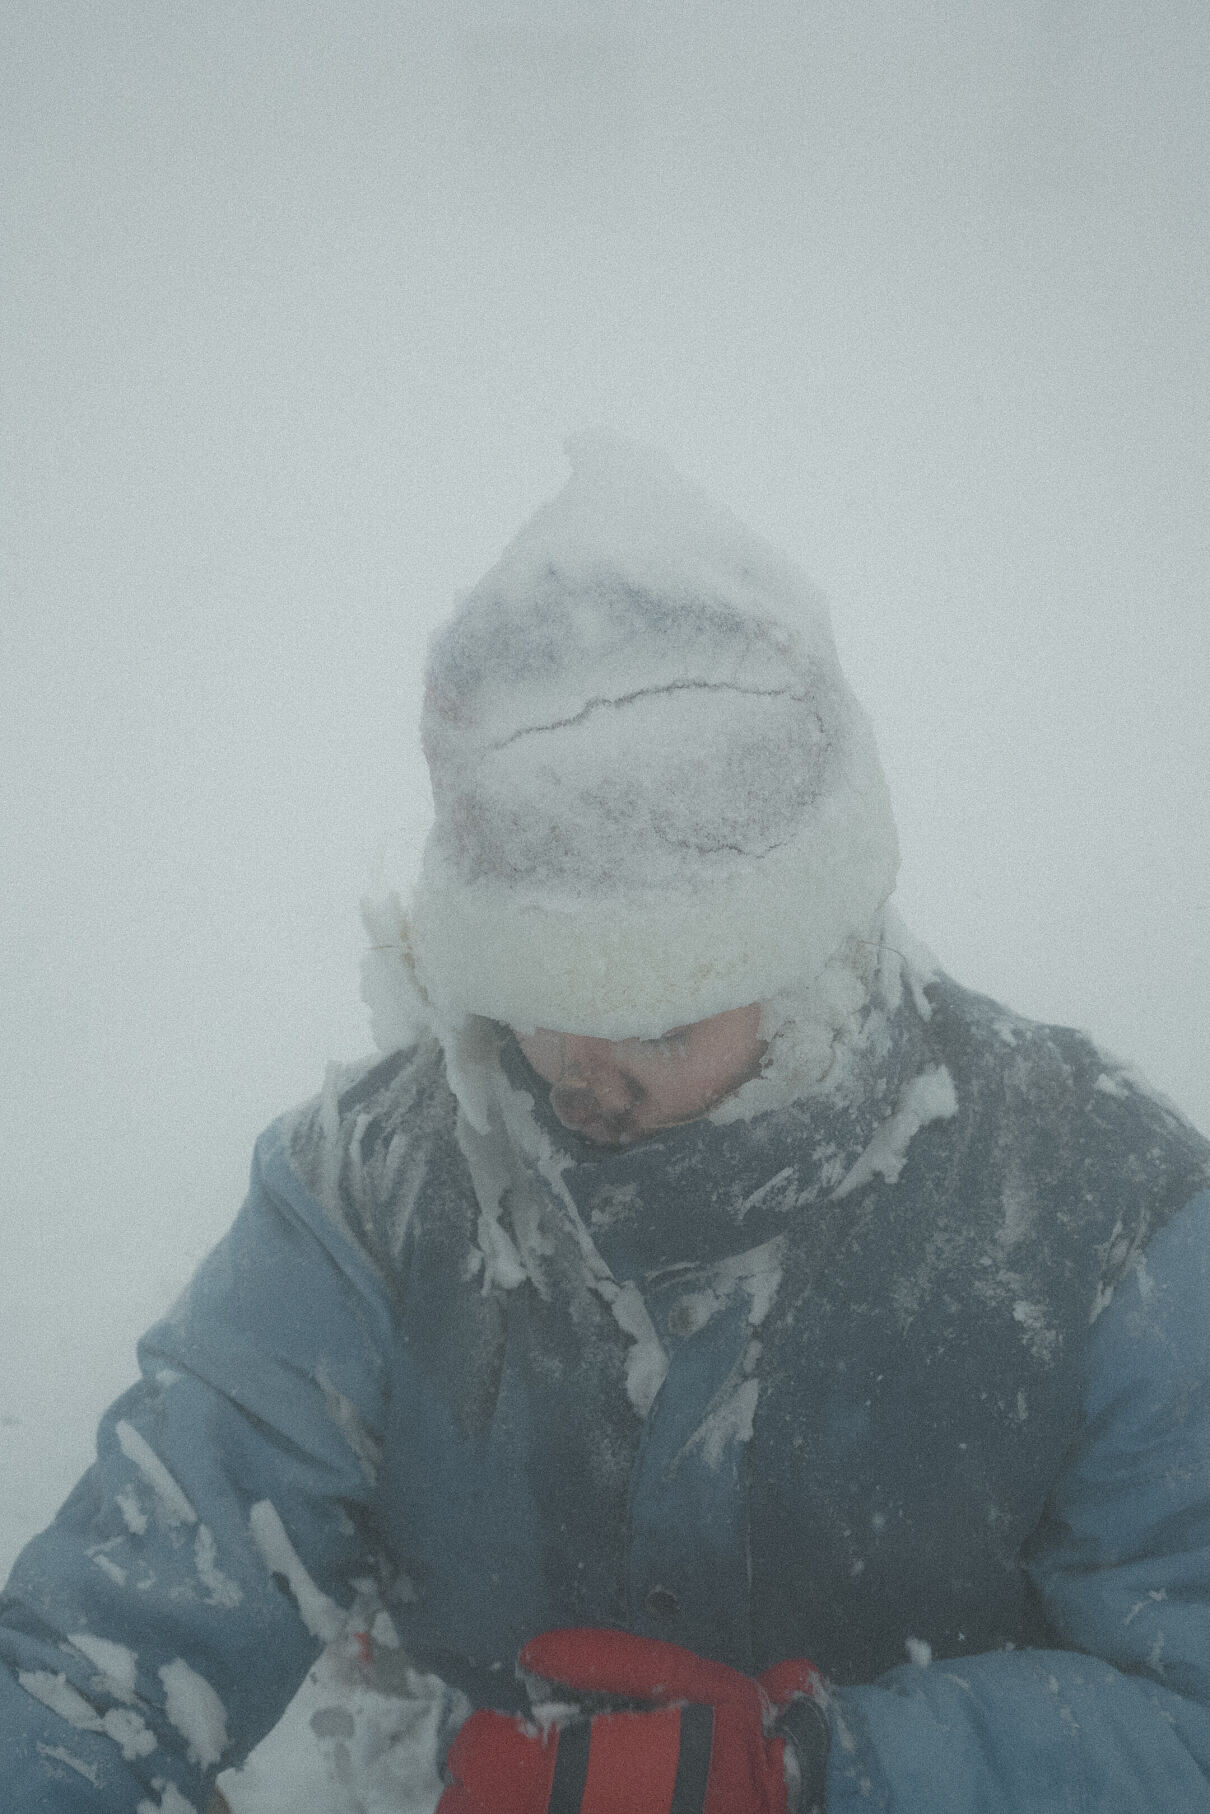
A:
<point x="298" y="302"/>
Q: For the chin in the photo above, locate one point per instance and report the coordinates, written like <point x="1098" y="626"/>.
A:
<point x="600" y="1135"/>
<point x="597" y="1129"/>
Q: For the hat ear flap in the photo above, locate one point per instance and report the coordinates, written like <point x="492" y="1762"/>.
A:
<point x="390" y="987"/>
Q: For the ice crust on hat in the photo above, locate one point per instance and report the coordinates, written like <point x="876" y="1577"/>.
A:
<point x="656" y="797"/>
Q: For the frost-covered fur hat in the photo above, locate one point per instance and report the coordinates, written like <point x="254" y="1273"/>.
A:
<point x="656" y="798"/>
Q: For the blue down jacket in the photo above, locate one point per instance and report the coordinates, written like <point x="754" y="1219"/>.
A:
<point x="912" y="1378"/>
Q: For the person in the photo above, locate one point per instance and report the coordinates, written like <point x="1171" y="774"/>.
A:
<point x="799" y="1362"/>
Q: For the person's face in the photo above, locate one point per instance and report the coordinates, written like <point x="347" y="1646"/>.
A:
<point x="615" y="1091"/>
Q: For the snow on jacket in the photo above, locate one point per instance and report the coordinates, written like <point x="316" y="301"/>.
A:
<point x="911" y="1377"/>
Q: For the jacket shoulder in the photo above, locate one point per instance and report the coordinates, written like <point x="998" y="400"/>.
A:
<point x="1046" y="1104"/>
<point x="364" y="1147"/>
<point x="1005" y="1054"/>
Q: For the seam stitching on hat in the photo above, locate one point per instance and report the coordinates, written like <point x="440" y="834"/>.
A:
<point x="676" y="686"/>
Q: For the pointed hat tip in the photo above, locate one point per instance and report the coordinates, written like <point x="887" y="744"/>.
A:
<point x="603" y="454"/>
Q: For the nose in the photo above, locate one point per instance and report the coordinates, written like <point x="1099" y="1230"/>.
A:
<point x="582" y="1056"/>
<point x="588" y="1061"/>
<point x="591" y="1064"/>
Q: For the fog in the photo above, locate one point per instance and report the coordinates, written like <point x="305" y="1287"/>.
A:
<point x="299" y="302"/>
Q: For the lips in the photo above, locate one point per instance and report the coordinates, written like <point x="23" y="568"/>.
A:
<point x="581" y="1111"/>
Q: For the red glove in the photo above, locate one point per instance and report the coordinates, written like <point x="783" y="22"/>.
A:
<point x="699" y="1748"/>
